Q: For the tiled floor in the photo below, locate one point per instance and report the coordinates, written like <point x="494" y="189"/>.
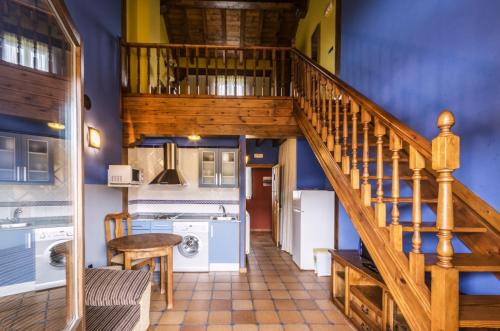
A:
<point x="42" y="310"/>
<point x="273" y="295"/>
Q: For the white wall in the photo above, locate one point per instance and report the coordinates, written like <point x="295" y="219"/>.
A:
<point x="176" y="199"/>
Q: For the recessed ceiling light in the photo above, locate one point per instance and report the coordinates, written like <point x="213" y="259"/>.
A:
<point x="56" y="125"/>
<point x="194" y="137"/>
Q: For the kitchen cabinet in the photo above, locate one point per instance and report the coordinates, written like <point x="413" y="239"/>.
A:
<point x="26" y="159"/>
<point x="162" y="227"/>
<point x="17" y="261"/>
<point x="224" y="242"/>
<point x="218" y="167"/>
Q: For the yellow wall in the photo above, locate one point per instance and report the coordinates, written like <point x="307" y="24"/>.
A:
<point x="315" y="15"/>
<point x="145" y="22"/>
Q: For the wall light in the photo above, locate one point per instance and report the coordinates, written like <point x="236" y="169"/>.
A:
<point x="56" y="125"/>
<point x="194" y="137"/>
<point x="94" y="138"/>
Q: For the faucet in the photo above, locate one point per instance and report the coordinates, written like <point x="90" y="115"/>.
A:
<point x="16" y="214"/>
<point x="221" y="207"/>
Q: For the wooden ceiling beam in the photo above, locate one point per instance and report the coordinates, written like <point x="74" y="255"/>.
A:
<point x="238" y="5"/>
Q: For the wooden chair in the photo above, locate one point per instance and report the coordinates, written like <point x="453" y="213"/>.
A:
<point x="113" y="257"/>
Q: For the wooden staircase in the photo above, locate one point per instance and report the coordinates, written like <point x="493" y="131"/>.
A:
<point x="356" y="144"/>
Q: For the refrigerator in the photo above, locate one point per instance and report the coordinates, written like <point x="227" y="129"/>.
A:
<point x="276" y="203"/>
<point x="313" y="225"/>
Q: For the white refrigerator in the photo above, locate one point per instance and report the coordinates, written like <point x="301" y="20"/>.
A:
<point x="313" y="225"/>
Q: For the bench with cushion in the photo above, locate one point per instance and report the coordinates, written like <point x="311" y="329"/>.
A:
<point x="117" y="299"/>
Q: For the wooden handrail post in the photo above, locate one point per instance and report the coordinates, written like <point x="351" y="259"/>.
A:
<point x="324" y="128"/>
<point x="380" y="209"/>
<point x="417" y="163"/>
<point x="337" y="150"/>
<point x="345" y="148"/>
<point x="354" y="143"/>
<point x="444" y="286"/>
<point x="395" y="145"/>
<point x="329" y="138"/>
<point x="366" y="188"/>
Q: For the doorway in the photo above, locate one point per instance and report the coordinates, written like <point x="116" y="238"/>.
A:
<point x="260" y="205"/>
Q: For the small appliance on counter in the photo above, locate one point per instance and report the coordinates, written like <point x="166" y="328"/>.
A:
<point x="122" y="175"/>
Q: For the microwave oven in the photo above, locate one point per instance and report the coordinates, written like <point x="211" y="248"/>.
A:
<point x="124" y="175"/>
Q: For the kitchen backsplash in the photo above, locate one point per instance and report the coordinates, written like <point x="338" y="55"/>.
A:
<point x="176" y="199"/>
<point x="40" y="200"/>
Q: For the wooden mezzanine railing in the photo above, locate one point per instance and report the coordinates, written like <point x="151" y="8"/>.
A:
<point x="169" y="69"/>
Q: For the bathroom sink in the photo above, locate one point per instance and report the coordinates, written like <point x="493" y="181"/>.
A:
<point x="13" y="225"/>
<point x="223" y="218"/>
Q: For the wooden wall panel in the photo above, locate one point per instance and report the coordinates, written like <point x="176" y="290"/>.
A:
<point x="157" y="116"/>
<point x="27" y="93"/>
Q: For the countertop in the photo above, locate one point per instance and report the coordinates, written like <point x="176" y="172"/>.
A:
<point x="183" y="217"/>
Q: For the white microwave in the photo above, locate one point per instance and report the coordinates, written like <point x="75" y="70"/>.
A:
<point x="124" y="175"/>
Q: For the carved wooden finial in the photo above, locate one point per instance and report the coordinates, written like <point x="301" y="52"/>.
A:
<point x="445" y="121"/>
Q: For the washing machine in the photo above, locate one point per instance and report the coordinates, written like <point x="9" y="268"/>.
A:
<point x="50" y="264"/>
<point x="191" y="255"/>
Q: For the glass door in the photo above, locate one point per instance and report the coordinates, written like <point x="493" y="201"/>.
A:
<point x="40" y="167"/>
<point x="229" y="168"/>
<point x="208" y="168"/>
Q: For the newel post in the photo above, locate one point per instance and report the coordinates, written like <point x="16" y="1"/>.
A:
<point x="444" y="288"/>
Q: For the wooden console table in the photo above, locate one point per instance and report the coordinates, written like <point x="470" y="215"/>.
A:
<point x="362" y="295"/>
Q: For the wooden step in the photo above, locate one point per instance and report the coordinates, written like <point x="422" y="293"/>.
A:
<point x="466" y="262"/>
<point x="431" y="227"/>
<point x="479" y="311"/>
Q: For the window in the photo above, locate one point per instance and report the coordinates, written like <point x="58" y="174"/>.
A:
<point x="28" y="53"/>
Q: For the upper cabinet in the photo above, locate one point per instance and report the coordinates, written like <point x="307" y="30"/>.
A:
<point x="218" y="167"/>
<point x="26" y="159"/>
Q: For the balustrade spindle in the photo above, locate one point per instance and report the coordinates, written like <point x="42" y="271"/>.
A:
<point x="445" y="160"/>
<point x="337" y="154"/>
<point x="314" y="118"/>
<point x="197" y="82"/>
<point x="309" y="93"/>
<point x="216" y="71"/>
<point x="224" y="59"/>
<point x="417" y="264"/>
<point x="366" y="188"/>
<point x="329" y="138"/>
<point x="274" y="88"/>
<point x="235" y="91"/>
<point x="395" y="145"/>
<point x="380" y="208"/>
<point x="319" y="105"/>
<point x="158" y="84"/>
<point x="138" y="52"/>
<point x="354" y="143"/>
<point x="35" y="39"/>
<point x="282" y="85"/>
<point x="345" y="148"/>
<point x="207" y="64"/>
<point x="18" y="33"/>
<point x="188" y="60"/>
<point x="129" y="85"/>
<point x="148" y="71"/>
<point x="324" y="127"/>
<point x="177" y="69"/>
<point x="263" y="78"/>
<point x="244" y="72"/>
<point x="254" y="72"/>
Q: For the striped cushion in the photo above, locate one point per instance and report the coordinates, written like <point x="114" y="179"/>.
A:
<point x="115" y="287"/>
<point x="111" y="318"/>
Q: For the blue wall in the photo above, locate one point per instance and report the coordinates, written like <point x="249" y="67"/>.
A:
<point x="416" y="58"/>
<point x="269" y="151"/>
<point x="310" y="175"/>
<point x="99" y="25"/>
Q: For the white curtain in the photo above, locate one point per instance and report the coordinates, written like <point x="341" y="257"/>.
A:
<point x="27" y="52"/>
<point x="288" y="163"/>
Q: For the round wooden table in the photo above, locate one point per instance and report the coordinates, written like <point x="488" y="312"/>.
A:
<point x="149" y="245"/>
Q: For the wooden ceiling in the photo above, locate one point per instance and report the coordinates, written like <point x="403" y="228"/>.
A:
<point x="235" y="23"/>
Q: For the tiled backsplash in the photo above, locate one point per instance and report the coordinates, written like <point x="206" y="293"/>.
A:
<point x="40" y="200"/>
<point x="176" y="199"/>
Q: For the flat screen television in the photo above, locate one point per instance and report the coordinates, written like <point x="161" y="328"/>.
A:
<point x="365" y="255"/>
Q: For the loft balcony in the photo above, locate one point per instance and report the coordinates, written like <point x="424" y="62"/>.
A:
<point x="170" y="90"/>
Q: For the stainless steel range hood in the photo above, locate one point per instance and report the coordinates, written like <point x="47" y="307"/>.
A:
<point x="170" y="174"/>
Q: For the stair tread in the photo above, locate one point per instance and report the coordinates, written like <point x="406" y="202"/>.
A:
<point x="431" y="227"/>
<point x="479" y="311"/>
<point x="468" y="262"/>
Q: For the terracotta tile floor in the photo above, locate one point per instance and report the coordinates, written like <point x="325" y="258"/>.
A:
<point x="273" y="295"/>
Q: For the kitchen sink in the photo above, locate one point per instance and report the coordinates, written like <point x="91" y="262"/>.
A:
<point x="14" y="225"/>
<point x="223" y="218"/>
